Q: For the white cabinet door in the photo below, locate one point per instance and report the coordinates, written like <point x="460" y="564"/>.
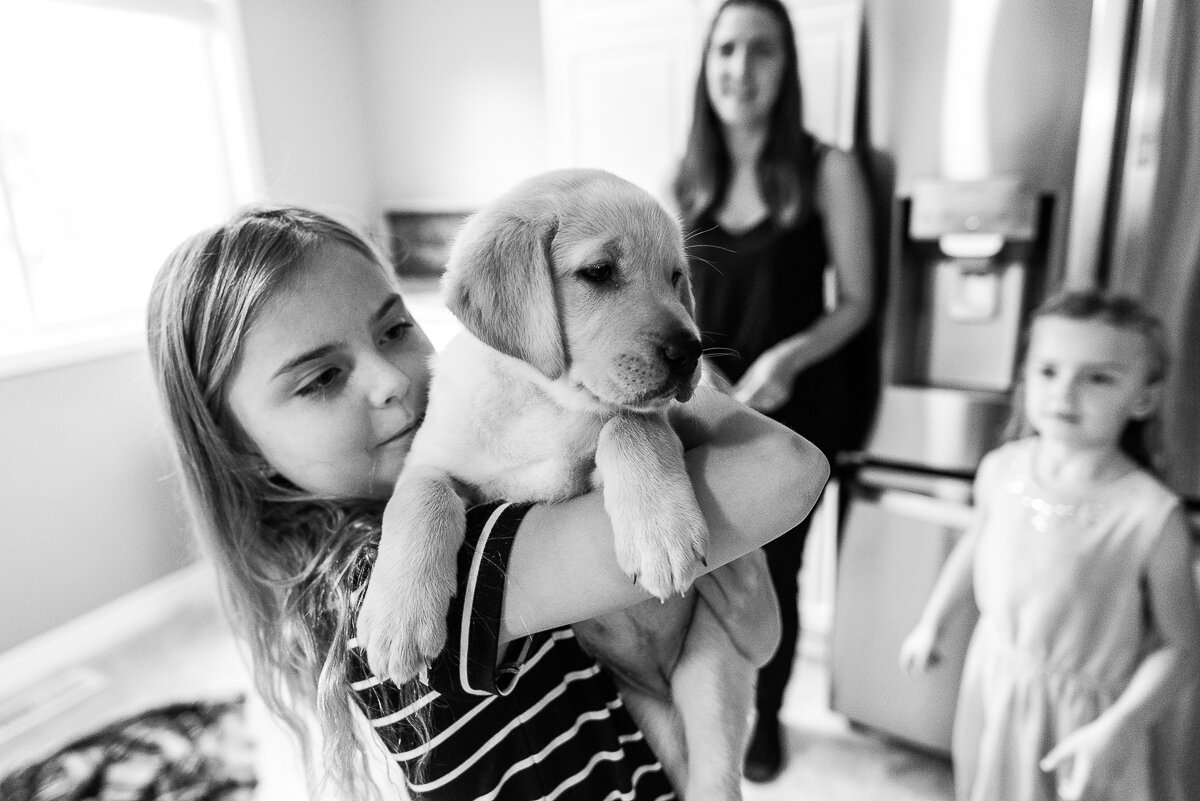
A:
<point x="619" y="81"/>
<point x="828" y="36"/>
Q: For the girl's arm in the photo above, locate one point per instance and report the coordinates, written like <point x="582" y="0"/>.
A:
<point x="1176" y="612"/>
<point x="845" y="207"/>
<point x="754" y="480"/>
<point x="952" y="589"/>
<point x="1159" y="678"/>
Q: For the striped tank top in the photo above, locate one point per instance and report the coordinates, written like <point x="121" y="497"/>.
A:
<point x="543" y="722"/>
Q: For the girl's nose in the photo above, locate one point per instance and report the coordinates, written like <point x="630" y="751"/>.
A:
<point x="1068" y="389"/>
<point x="388" y="383"/>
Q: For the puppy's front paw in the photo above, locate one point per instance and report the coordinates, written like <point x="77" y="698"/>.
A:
<point x="662" y="547"/>
<point x="402" y="622"/>
<point x="660" y="536"/>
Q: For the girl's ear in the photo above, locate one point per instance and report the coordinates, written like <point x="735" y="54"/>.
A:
<point x="1148" y="401"/>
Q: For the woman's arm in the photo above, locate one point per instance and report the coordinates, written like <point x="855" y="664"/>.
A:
<point x="845" y="207"/>
<point x="754" y="480"/>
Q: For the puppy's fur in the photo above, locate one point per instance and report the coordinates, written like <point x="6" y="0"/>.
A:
<point x="574" y="293"/>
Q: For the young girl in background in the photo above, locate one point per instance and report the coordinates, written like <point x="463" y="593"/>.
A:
<point x="1080" y="564"/>
<point x="293" y="379"/>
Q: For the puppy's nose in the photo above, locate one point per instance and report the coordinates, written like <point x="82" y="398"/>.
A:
<point x="682" y="353"/>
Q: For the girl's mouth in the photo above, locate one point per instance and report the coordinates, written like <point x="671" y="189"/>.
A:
<point x="404" y="432"/>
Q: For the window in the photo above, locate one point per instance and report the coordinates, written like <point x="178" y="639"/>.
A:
<point x="121" y="132"/>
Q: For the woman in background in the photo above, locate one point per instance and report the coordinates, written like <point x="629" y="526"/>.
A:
<point x="768" y="209"/>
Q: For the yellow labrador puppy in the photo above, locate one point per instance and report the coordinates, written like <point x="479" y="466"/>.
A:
<point x="574" y="293"/>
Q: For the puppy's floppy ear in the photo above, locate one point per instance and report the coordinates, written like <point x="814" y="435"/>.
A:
<point x="500" y="283"/>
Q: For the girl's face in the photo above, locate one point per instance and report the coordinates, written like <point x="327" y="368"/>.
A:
<point x="1084" y="380"/>
<point x="333" y="377"/>
<point x="744" y="65"/>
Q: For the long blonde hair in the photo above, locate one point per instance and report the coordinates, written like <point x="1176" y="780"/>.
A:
<point x="287" y="562"/>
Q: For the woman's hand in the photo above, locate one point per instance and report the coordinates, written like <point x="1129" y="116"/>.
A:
<point x="919" y="651"/>
<point x="767" y="385"/>
<point x="1087" y="754"/>
<point x="743" y="599"/>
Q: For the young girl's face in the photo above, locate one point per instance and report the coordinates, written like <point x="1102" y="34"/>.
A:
<point x="333" y="378"/>
<point x="1084" y="380"/>
<point x="744" y="65"/>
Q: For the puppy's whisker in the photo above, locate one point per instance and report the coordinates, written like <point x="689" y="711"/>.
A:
<point x="698" y="232"/>
<point x="690" y="248"/>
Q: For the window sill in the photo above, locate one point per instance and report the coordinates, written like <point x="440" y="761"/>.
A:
<point x="48" y="350"/>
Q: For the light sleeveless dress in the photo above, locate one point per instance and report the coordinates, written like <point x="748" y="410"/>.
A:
<point x="1063" y="625"/>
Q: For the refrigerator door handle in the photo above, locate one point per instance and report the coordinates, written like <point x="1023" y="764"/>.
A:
<point x="922" y="507"/>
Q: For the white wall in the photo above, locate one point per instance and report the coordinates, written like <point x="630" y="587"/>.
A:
<point x="456" y="99"/>
<point x="90" y="509"/>
<point x="307" y="76"/>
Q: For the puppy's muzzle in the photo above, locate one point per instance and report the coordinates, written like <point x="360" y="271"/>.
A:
<point x="681" y="354"/>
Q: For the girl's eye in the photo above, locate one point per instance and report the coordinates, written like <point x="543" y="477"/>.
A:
<point x="1046" y="371"/>
<point x="761" y="50"/>
<point x="597" y="273"/>
<point x="397" y="331"/>
<point x="321" y="383"/>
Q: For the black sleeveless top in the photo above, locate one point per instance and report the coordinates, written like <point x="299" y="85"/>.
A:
<point x="756" y="288"/>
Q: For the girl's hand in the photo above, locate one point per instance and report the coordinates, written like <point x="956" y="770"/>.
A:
<point x="767" y="385"/>
<point x="1087" y="754"/>
<point x="743" y="599"/>
<point x="919" y="651"/>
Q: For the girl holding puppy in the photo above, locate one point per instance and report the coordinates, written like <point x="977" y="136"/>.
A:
<point x="1079" y="562"/>
<point x="294" y="378"/>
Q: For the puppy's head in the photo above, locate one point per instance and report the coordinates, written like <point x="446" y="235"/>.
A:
<point x="582" y="275"/>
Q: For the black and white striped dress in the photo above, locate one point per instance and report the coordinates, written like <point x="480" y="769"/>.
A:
<point x="546" y="723"/>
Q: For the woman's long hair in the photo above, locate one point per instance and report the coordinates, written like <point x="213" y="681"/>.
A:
<point x="1141" y="438"/>
<point x="787" y="164"/>
<point x="286" y="562"/>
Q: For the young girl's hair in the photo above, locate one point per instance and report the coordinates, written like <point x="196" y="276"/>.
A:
<point x="787" y="164"/>
<point x="1140" y="439"/>
<point x="286" y="561"/>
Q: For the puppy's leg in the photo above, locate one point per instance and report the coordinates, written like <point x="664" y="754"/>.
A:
<point x="662" y="726"/>
<point x="713" y="690"/>
<point x="402" y="621"/>
<point x="659" y="533"/>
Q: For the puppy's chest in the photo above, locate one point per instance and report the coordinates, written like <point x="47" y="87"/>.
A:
<point x="538" y="451"/>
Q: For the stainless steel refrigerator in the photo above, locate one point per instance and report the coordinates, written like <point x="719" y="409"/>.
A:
<point x="1015" y="145"/>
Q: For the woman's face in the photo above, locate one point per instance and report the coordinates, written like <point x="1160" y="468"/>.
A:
<point x="333" y="377"/>
<point x="744" y="65"/>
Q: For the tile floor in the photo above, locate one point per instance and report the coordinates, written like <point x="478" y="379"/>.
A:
<point x="830" y="760"/>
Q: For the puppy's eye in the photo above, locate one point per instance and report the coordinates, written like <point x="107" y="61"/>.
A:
<point x="599" y="273"/>
<point x="676" y="277"/>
